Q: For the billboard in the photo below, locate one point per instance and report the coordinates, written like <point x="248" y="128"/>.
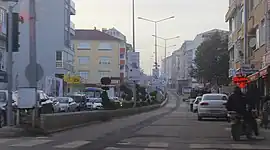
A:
<point x="133" y="64"/>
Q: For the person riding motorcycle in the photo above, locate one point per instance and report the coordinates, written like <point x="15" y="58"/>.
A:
<point x="237" y="102"/>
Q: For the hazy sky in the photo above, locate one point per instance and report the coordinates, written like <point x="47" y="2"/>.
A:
<point x="191" y="17"/>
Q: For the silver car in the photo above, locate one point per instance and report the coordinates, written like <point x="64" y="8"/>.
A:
<point x="212" y="106"/>
<point x="66" y="104"/>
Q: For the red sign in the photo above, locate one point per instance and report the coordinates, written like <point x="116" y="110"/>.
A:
<point x="241" y="82"/>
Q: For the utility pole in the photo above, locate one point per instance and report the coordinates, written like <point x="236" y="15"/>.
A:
<point x="246" y="51"/>
<point x="32" y="52"/>
<point x="156" y="61"/>
<point x="133" y="30"/>
<point x="9" y="66"/>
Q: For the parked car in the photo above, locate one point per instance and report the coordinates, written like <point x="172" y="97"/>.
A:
<point x="3" y="104"/>
<point x="80" y="100"/>
<point x="212" y="106"/>
<point x="66" y="104"/>
<point x="195" y="103"/>
<point x="56" y="104"/>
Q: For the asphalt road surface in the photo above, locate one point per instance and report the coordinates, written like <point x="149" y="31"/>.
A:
<point x="172" y="127"/>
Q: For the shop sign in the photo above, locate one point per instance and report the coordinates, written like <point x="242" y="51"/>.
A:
<point x="254" y="76"/>
<point x="266" y="59"/>
<point x="241" y="81"/>
<point x="263" y="72"/>
<point x="72" y="79"/>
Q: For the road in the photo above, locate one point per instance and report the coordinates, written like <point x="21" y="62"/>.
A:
<point x="172" y="127"/>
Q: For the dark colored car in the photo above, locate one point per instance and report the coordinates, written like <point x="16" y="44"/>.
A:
<point x="81" y="101"/>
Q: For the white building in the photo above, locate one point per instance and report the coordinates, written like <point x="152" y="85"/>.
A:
<point x="54" y="31"/>
<point x="3" y="33"/>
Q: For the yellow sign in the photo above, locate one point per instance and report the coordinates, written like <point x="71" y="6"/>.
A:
<point x="72" y="79"/>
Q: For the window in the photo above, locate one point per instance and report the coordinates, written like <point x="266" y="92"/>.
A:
<point x="105" y="47"/>
<point x="233" y="24"/>
<point x="83" y="46"/>
<point x="84" y="74"/>
<point x="257" y="38"/>
<point x="59" y="56"/>
<point x="104" y="60"/>
<point x="262" y="33"/>
<point x="242" y="16"/>
<point x="104" y="74"/>
<point x="83" y="60"/>
<point x="66" y="38"/>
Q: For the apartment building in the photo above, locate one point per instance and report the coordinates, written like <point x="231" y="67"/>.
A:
<point x="54" y="31"/>
<point x="249" y="40"/>
<point x="96" y="56"/>
<point x="123" y="50"/>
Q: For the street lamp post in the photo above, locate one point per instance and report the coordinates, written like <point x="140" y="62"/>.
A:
<point x="165" y="40"/>
<point x="156" y="22"/>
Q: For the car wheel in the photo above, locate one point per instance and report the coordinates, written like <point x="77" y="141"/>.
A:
<point x="199" y="118"/>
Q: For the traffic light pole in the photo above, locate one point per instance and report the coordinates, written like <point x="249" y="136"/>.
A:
<point x="9" y="67"/>
<point x="32" y="52"/>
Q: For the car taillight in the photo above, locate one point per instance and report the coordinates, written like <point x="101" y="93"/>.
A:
<point x="204" y="103"/>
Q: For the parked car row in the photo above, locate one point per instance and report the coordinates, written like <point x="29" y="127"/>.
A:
<point x="209" y="106"/>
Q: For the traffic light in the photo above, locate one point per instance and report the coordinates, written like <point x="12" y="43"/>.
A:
<point x="16" y="19"/>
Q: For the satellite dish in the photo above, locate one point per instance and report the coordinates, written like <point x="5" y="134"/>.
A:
<point x="252" y="42"/>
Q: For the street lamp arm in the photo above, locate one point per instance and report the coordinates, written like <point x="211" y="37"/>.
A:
<point x="159" y="37"/>
<point x="146" y="19"/>
<point x="173" y="38"/>
<point x="165" y="19"/>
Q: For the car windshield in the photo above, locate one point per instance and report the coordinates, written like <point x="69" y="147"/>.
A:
<point x="214" y="97"/>
<point x="3" y="97"/>
<point x="62" y="100"/>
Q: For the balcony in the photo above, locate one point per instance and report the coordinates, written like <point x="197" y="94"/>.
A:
<point x="230" y="42"/>
<point x="234" y="4"/>
<point x="72" y="28"/>
<point x="72" y="8"/>
<point x="59" y="64"/>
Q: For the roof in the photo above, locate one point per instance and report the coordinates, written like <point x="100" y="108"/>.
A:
<point x="82" y="34"/>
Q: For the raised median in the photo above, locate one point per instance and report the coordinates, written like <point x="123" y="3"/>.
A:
<point x="50" y="123"/>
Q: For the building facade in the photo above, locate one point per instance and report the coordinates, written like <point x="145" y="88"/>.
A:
<point x="97" y="56"/>
<point x="3" y="38"/>
<point x="123" y="50"/>
<point x="249" y="40"/>
<point x="54" y="30"/>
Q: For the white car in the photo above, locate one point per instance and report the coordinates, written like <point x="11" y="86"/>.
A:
<point x="195" y="103"/>
<point x="212" y="106"/>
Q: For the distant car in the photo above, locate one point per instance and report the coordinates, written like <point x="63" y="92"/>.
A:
<point x="212" y="106"/>
<point x="67" y="104"/>
<point x="80" y="100"/>
<point x="195" y="103"/>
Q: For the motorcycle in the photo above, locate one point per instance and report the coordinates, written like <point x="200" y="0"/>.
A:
<point x="239" y="127"/>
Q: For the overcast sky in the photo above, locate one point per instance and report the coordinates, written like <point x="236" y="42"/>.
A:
<point x="191" y="17"/>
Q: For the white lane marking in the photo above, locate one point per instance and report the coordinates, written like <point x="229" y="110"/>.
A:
<point x="158" y="144"/>
<point x="229" y="146"/>
<point x="112" y="148"/>
<point x="74" y="144"/>
<point x="42" y="137"/>
<point x="154" y="149"/>
<point x="2" y="141"/>
<point x="241" y="146"/>
<point x="31" y="143"/>
<point x="124" y="143"/>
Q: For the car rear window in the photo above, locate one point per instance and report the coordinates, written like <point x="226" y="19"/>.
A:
<point x="214" y="97"/>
